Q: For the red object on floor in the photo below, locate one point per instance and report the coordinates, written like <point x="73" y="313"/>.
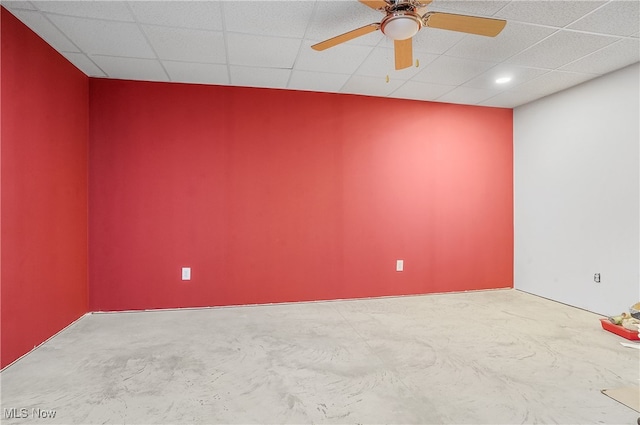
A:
<point x="619" y="330"/>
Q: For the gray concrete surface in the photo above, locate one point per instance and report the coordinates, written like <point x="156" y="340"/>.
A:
<point x="483" y="357"/>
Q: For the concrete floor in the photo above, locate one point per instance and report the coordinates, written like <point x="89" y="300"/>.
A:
<point x="485" y="357"/>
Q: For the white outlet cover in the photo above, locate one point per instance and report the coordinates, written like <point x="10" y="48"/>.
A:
<point x="399" y="265"/>
<point x="186" y="273"/>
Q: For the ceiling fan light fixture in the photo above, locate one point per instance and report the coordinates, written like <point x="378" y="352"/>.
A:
<point x="401" y="25"/>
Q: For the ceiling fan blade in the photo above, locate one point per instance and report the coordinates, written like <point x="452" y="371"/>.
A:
<point x="404" y="53"/>
<point x="422" y="9"/>
<point x="375" y="4"/>
<point x="323" y="45"/>
<point x="463" y="23"/>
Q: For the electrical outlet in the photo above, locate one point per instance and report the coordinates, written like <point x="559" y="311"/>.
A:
<point x="186" y="273"/>
<point x="596" y="278"/>
<point x="399" y="265"/>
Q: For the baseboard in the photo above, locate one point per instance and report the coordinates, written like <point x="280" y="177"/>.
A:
<point x="44" y="342"/>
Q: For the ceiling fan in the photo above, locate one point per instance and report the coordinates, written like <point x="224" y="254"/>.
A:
<point x="404" y="18"/>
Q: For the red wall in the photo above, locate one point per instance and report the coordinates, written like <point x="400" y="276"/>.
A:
<point x="275" y="196"/>
<point x="268" y="195"/>
<point x="44" y="131"/>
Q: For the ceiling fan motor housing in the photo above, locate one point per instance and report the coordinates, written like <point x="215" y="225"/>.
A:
<point x="401" y="24"/>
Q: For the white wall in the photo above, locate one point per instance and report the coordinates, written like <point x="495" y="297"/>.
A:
<point x="577" y="194"/>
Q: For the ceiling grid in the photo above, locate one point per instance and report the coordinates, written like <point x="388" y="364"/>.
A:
<point x="546" y="46"/>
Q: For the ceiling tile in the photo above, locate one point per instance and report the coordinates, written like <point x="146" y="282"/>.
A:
<point x="317" y="81"/>
<point x="45" y="29"/>
<point x="110" y="10"/>
<point x="421" y="91"/>
<point x="205" y="15"/>
<point x="104" y="37"/>
<point x="451" y="71"/>
<point x="190" y="45"/>
<point x="511" y="99"/>
<point x="518" y="74"/>
<point x="84" y="64"/>
<point x="267" y="44"/>
<point x="560" y="49"/>
<point x="514" y="38"/>
<point x="553" y="81"/>
<point x="381" y="62"/>
<point x="614" y="56"/>
<point x="12" y="5"/>
<point x="467" y="95"/>
<point x="263" y="51"/>
<point x="259" y="77"/>
<point x="202" y="73"/>
<point x="557" y="13"/>
<point x="343" y="59"/>
<point x="131" y="68"/>
<point x="432" y="40"/>
<point x="619" y="17"/>
<point x="476" y="7"/>
<point x="372" y="86"/>
<point x="332" y="18"/>
<point x="274" y="18"/>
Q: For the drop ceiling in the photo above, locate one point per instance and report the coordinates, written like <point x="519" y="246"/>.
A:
<point x="547" y="46"/>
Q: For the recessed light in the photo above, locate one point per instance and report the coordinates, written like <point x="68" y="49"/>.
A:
<point x="503" y="80"/>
